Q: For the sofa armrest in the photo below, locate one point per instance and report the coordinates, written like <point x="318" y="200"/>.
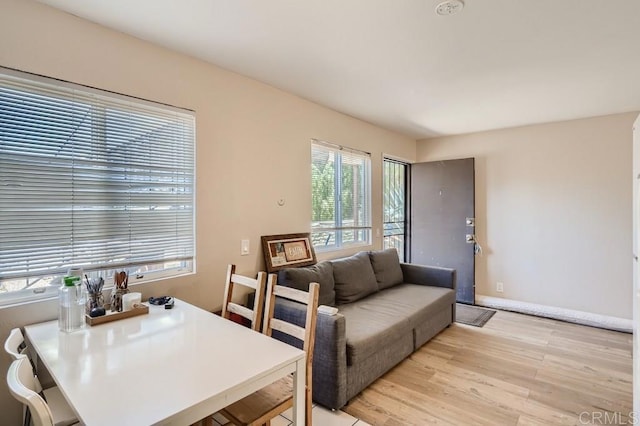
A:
<point x="429" y="275"/>
<point x="329" y="386"/>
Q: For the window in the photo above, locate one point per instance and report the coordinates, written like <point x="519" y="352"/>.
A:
<point x="394" y="205"/>
<point x="93" y="180"/>
<point x="341" y="204"/>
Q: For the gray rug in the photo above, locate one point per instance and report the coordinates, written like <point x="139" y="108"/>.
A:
<point x="473" y="315"/>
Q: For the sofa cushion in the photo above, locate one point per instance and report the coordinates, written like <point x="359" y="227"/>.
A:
<point x="300" y="278"/>
<point x="382" y="318"/>
<point x="386" y="267"/>
<point x="418" y="303"/>
<point x="369" y="329"/>
<point x="354" y="278"/>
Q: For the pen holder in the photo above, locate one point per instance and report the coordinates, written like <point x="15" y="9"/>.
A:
<point x="116" y="299"/>
<point x="94" y="300"/>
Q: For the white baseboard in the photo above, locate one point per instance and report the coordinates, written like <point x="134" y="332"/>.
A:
<point x="569" y="315"/>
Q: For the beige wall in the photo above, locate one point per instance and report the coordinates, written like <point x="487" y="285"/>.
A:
<point x="553" y="201"/>
<point x="553" y="207"/>
<point x="253" y="144"/>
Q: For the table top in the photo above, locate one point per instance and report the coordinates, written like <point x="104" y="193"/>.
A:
<point x="168" y="367"/>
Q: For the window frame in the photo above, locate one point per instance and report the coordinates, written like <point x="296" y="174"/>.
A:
<point x="171" y="268"/>
<point x="338" y="227"/>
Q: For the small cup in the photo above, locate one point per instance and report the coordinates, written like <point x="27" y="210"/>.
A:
<point x="130" y="299"/>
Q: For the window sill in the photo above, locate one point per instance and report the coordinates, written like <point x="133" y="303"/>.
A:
<point x="335" y="253"/>
<point x="13" y="301"/>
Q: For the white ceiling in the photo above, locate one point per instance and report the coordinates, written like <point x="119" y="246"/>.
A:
<point x="395" y="63"/>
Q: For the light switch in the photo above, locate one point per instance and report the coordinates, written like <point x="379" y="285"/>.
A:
<point x="244" y="247"/>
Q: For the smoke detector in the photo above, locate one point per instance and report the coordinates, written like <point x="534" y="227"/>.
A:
<point x="449" y="7"/>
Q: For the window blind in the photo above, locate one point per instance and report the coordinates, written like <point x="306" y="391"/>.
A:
<point x="91" y="179"/>
<point x="340" y="195"/>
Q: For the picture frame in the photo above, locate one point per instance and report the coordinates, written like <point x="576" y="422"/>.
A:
<point x="287" y="250"/>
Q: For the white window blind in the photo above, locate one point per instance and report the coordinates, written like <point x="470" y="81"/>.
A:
<point x="341" y="206"/>
<point x="91" y="179"/>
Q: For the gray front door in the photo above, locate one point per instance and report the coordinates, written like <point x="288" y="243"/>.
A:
<point x="442" y="201"/>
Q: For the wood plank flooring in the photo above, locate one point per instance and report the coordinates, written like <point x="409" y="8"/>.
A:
<point x="516" y="370"/>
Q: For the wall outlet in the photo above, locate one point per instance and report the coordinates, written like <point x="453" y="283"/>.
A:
<point x="499" y="287"/>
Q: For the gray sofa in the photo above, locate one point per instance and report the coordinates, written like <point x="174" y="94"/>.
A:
<point x="386" y="310"/>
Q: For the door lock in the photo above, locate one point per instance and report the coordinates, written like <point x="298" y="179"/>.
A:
<point x="470" y="239"/>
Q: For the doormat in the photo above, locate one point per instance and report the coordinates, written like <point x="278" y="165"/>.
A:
<point x="473" y="315"/>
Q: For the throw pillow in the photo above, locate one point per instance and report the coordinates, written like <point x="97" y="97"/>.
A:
<point x="300" y="278"/>
<point x="354" y="278"/>
<point x="386" y="266"/>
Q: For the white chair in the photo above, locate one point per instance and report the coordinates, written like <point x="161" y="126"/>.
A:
<point x="21" y="384"/>
<point x="57" y="407"/>
<point x="14" y="345"/>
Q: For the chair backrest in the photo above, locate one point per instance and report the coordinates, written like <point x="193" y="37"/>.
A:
<point x="21" y="383"/>
<point x="306" y="334"/>
<point x="14" y="345"/>
<point x="229" y="307"/>
<point x="16" y="348"/>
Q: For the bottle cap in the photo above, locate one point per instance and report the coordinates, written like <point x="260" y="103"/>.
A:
<point x="71" y="281"/>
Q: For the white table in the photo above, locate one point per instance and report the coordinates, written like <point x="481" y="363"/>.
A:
<point x="171" y="367"/>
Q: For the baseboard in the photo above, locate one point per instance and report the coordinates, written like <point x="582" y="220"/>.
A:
<point x="569" y="315"/>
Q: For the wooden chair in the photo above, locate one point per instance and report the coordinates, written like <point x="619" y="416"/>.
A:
<point x="229" y="307"/>
<point x="21" y="383"/>
<point x="58" y="408"/>
<point x="261" y="406"/>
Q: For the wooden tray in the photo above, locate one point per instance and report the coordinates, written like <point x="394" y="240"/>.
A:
<point x="139" y="309"/>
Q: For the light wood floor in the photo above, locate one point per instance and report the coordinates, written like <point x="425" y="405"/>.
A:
<point x="516" y="370"/>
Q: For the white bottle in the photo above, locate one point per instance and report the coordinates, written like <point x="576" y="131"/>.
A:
<point x="71" y="305"/>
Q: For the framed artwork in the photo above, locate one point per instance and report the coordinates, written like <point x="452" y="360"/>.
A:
<point x="287" y="250"/>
